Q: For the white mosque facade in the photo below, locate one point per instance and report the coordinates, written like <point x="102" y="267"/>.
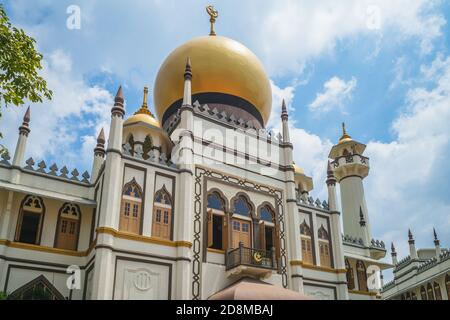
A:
<point x="203" y="200"/>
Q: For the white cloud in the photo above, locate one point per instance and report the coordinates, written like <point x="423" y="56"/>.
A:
<point x="294" y="31"/>
<point x="335" y="93"/>
<point x="408" y="180"/>
<point x="64" y="128"/>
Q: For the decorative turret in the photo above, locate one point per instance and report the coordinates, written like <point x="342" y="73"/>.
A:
<point x="284" y="121"/>
<point x="99" y="155"/>
<point x="412" y="246"/>
<point x="349" y="168"/>
<point x="24" y="130"/>
<point x="393" y="255"/>
<point x="437" y="244"/>
<point x="331" y="184"/>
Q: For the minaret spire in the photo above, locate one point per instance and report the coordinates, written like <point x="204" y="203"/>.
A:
<point x="412" y="246"/>
<point x="118" y="108"/>
<point x="437" y="245"/>
<point x="284" y="122"/>
<point x="144" y="108"/>
<point x="24" y="130"/>
<point x="393" y="254"/>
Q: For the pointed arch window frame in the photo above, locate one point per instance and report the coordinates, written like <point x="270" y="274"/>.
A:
<point x="157" y="204"/>
<point x="58" y="224"/>
<point x="140" y="198"/>
<point x="22" y="209"/>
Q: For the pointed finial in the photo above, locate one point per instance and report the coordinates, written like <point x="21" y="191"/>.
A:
<point x="101" y="137"/>
<point x="118" y="104"/>
<point x="213" y="15"/>
<point x="284" y="114"/>
<point x="362" y="222"/>
<point x="392" y="248"/>
<point x="345" y="137"/>
<point x="27" y="116"/>
<point x="24" y="129"/>
<point x="100" y="148"/>
<point x="144" y="108"/>
<point x="410" y="236"/>
<point x="145" y="101"/>
<point x="187" y="69"/>
<point x="436" y="240"/>
<point x="331" y="180"/>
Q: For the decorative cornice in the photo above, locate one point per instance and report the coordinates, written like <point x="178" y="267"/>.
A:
<point x="140" y="238"/>
<point x="317" y="268"/>
<point x="34" y="247"/>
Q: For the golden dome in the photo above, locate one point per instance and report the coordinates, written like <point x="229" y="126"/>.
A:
<point x="219" y="65"/>
<point x="143" y="114"/>
<point x="345" y="137"/>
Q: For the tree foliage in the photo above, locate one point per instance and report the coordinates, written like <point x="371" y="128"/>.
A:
<point x="19" y="67"/>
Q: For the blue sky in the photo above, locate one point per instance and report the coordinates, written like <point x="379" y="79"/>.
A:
<point x="381" y="66"/>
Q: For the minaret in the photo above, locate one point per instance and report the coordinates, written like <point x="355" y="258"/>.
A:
<point x="99" y="155"/>
<point x="24" y="130"/>
<point x="110" y="206"/>
<point x="331" y="184"/>
<point x="350" y="167"/>
<point x="292" y="222"/>
<point x="336" y="227"/>
<point x="185" y="214"/>
<point x="437" y="244"/>
<point x="393" y="255"/>
<point x="412" y="246"/>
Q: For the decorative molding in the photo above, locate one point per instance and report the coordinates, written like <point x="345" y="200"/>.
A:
<point x="201" y="174"/>
<point x="34" y="247"/>
<point x="317" y="268"/>
<point x="365" y="293"/>
<point x="139" y="238"/>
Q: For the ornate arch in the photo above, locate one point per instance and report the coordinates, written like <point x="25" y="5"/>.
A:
<point x="305" y="229"/>
<point x="322" y="233"/>
<point x="362" y="275"/>
<point x="430" y="292"/>
<point x="423" y="293"/>
<point x="163" y="191"/>
<point x="221" y="195"/>
<point x="350" y="276"/>
<point x="247" y="199"/>
<point x="34" y="204"/>
<point x="271" y="209"/>
<point x="130" y="187"/>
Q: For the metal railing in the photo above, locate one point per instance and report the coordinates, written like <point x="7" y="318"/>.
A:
<point x="250" y="257"/>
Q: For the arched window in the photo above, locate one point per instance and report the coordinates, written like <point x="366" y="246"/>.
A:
<point x="68" y="227"/>
<point x="413" y="296"/>
<point x="267" y="228"/>
<point x="241" y="223"/>
<point x="423" y="293"/>
<point x="162" y="215"/>
<point x="437" y="291"/>
<point x="447" y="284"/>
<point x="350" y="276"/>
<point x="148" y="144"/>
<point x="324" y="247"/>
<point x="217" y="222"/>
<point x="130" y="212"/>
<point x="29" y="224"/>
<point x="306" y="242"/>
<point x="430" y="292"/>
<point x="408" y="296"/>
<point x="362" y="275"/>
<point x="130" y="141"/>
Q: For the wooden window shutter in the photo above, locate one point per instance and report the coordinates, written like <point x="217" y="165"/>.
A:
<point x="210" y="228"/>
<point x="225" y="226"/>
<point x="262" y="235"/>
<point x="277" y="241"/>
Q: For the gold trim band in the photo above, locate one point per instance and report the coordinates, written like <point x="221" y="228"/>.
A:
<point x="135" y="237"/>
<point x="34" y="247"/>
<point x="314" y="267"/>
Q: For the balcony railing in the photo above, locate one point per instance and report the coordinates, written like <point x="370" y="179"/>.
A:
<point x="250" y="257"/>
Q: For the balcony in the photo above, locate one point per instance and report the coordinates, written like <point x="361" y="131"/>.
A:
<point x="250" y="261"/>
